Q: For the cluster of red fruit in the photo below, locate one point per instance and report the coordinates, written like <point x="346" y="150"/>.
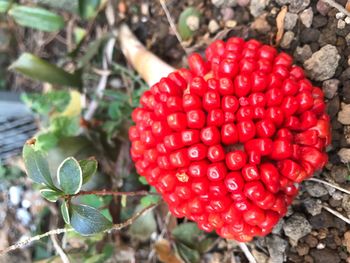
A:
<point x="227" y="141"/>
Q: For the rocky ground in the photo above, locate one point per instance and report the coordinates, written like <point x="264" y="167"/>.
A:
<point x="318" y="36"/>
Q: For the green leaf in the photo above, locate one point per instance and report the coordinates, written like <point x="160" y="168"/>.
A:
<point x="4" y="6"/>
<point x="87" y="220"/>
<point x="143" y="180"/>
<point x="37" y="18"/>
<point x="187" y="233"/>
<point x="79" y="34"/>
<point x="88" y="8"/>
<point x="46" y="141"/>
<point x="69" y="175"/>
<point x="65" y="212"/>
<point x="89" y="168"/>
<point x="148" y="200"/>
<point x="188" y="254"/>
<point x="51" y="195"/>
<point x="91" y="51"/>
<point x="37" y="167"/>
<point x="39" y="69"/>
<point x="184" y="30"/>
<point x="64" y="126"/>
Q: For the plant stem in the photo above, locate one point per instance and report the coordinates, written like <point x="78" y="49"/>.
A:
<point x="113" y="193"/>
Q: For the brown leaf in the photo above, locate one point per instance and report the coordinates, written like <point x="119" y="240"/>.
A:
<point x="347" y="6"/>
<point x="165" y="253"/>
<point x="280" y="24"/>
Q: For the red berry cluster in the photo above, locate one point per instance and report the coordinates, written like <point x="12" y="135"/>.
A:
<point x="227" y="141"/>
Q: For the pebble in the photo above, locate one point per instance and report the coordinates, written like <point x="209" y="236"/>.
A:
<point x="276" y="247"/>
<point x="344" y="155"/>
<point x="323" y="63"/>
<point x="297" y="6"/>
<point x="325" y="220"/>
<point x="333" y="106"/>
<point x="302" y="53"/>
<point x="347" y="20"/>
<point x="231" y="23"/>
<point x="340" y="173"/>
<point x="315" y="189"/>
<point x="261" y="25"/>
<point x="309" y="35"/>
<point x="257" y="7"/>
<point x="347" y="134"/>
<point x="339" y="15"/>
<point x="330" y="88"/>
<point x="346" y="241"/>
<point x="306" y="17"/>
<point x="344" y="114"/>
<point x="243" y="3"/>
<point x="319" y="21"/>
<point x="287" y="39"/>
<point x="227" y="13"/>
<point x="296" y="227"/>
<point x="321" y="246"/>
<point x="213" y="26"/>
<point x="23" y="216"/>
<point x="311" y="240"/>
<point x="259" y="256"/>
<point x="325" y="255"/>
<point x="313" y="206"/>
<point x="290" y="21"/>
<point x="15" y="194"/>
<point x="346" y="204"/>
<point x="193" y="23"/>
<point x="322" y="7"/>
<point x="341" y="24"/>
<point x="302" y="249"/>
<point x="277" y="229"/>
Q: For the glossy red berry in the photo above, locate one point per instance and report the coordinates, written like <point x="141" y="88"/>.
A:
<point x="227" y="141"/>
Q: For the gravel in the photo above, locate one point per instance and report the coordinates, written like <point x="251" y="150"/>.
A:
<point x="296" y="227"/>
<point x="323" y="63"/>
<point x="313" y="206"/>
<point x="306" y="17"/>
<point x="257" y="7"/>
<point x="287" y="39"/>
<point x="330" y="88"/>
<point x="290" y="21"/>
<point x="276" y="246"/>
<point x="302" y="53"/>
<point x="344" y="114"/>
<point x="315" y="189"/>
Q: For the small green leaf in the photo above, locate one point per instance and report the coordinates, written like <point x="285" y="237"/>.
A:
<point x="4" y="6"/>
<point x="89" y="168"/>
<point x="188" y="254"/>
<point x="187" y="233"/>
<point x="64" y="126"/>
<point x="46" y="141"/>
<point x="87" y="220"/>
<point x="37" y="18"/>
<point x="65" y="212"/>
<point x="88" y="8"/>
<point x="70" y="176"/>
<point x="184" y="30"/>
<point x="37" y="167"/>
<point x="148" y="200"/>
<point x="143" y="180"/>
<point x="50" y="194"/>
<point x="79" y="35"/>
<point x="39" y="69"/>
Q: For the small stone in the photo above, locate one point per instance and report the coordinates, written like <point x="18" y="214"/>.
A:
<point x="322" y="7"/>
<point x="344" y="155"/>
<point x="340" y="173"/>
<point x="344" y="114"/>
<point x="23" y="216"/>
<point x="347" y="20"/>
<point x="213" y="26"/>
<point x="243" y="3"/>
<point x="218" y="3"/>
<point x="309" y="35"/>
<point x="319" y="21"/>
<point x="321" y="246"/>
<point x="339" y="15"/>
<point x="333" y="107"/>
<point x="302" y="53"/>
<point x="277" y="229"/>
<point x="330" y="88"/>
<point x="308" y="259"/>
<point x="231" y="23"/>
<point x="257" y="7"/>
<point x="341" y="24"/>
<point x="324" y="221"/>
<point x="315" y="189"/>
<point x="313" y="206"/>
<point x="297" y="6"/>
<point x="290" y="21"/>
<point x="325" y="256"/>
<point x="306" y="17"/>
<point x="311" y="240"/>
<point x="323" y="63"/>
<point x="282" y="2"/>
<point x="193" y="23"/>
<point x="276" y="247"/>
<point x="347" y="134"/>
<point x="15" y="194"/>
<point x="227" y="13"/>
<point x="346" y="241"/>
<point x="261" y="25"/>
<point x="287" y="39"/>
<point x="296" y="227"/>
<point x="346" y="204"/>
<point x="337" y="195"/>
<point x="259" y="256"/>
<point x="302" y="249"/>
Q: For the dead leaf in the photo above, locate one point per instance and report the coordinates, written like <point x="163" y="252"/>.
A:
<point x="165" y="253"/>
<point x="346" y="241"/>
<point x="347" y="6"/>
<point x="280" y="24"/>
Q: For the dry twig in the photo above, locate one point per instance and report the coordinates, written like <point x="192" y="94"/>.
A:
<point x="329" y="184"/>
<point x="247" y="252"/>
<point x="337" y="214"/>
<point x="337" y="6"/>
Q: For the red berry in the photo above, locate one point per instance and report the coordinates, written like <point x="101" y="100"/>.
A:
<point x="236" y="160"/>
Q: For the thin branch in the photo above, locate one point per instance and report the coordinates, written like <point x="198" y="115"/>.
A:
<point x="337" y="6"/>
<point x="134" y="217"/>
<point x="337" y="214"/>
<point x="59" y="250"/>
<point x="113" y="193"/>
<point x="171" y="23"/>
<point x="247" y="252"/>
<point x="35" y="238"/>
<point x="329" y="184"/>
